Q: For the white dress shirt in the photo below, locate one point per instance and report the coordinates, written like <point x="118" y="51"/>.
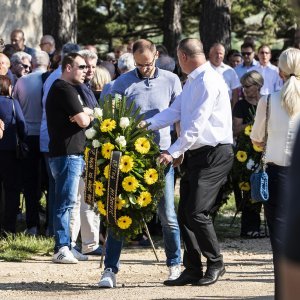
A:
<point x="229" y="76"/>
<point x="203" y="109"/>
<point x="282" y="130"/>
<point x="272" y="80"/>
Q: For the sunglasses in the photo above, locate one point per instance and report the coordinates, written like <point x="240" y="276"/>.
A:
<point x="246" y="53"/>
<point x="82" y="67"/>
<point x="247" y="86"/>
<point x="25" y="66"/>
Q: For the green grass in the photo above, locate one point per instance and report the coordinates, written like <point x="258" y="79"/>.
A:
<point x="20" y="247"/>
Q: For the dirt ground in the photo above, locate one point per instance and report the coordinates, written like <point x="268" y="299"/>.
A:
<point x="249" y="275"/>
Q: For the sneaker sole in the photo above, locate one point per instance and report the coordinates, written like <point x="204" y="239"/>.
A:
<point x="60" y="261"/>
<point x="105" y="285"/>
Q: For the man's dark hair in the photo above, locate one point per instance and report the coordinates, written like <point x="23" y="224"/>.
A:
<point x="5" y="83"/>
<point x="191" y="47"/>
<point x="248" y="45"/>
<point x="69" y="60"/>
<point x="142" y="45"/>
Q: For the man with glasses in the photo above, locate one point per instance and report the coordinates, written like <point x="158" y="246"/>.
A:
<point x="66" y="120"/>
<point x="20" y="65"/>
<point x="248" y="53"/>
<point x="269" y="72"/>
<point x="153" y="90"/>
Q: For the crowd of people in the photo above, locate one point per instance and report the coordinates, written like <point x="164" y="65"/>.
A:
<point x="199" y="109"/>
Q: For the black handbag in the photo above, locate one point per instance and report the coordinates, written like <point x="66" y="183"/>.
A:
<point x="259" y="179"/>
<point x="22" y="149"/>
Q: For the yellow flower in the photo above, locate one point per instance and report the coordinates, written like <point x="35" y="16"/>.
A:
<point x="124" y="222"/>
<point x="257" y="148"/>
<point x="130" y="184"/>
<point x="248" y="129"/>
<point x="126" y="164"/>
<point x="108" y="125"/>
<point x="99" y="189"/>
<point x="86" y="152"/>
<point x="106" y="150"/>
<point x="244" y="186"/>
<point x="101" y="208"/>
<point x="151" y="176"/>
<point x="144" y="199"/>
<point x="120" y="203"/>
<point x="106" y="171"/>
<point x="241" y="156"/>
<point x="142" y="145"/>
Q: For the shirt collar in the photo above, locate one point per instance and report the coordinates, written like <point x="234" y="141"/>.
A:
<point x="254" y="63"/>
<point x="198" y="70"/>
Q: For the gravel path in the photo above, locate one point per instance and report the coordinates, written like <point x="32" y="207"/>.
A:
<point x="248" y="264"/>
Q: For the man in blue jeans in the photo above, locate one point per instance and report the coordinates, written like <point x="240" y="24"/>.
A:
<point x="66" y="120"/>
<point x="153" y="90"/>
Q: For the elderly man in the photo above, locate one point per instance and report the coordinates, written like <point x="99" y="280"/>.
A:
<point x="28" y="91"/>
<point x="269" y="72"/>
<point x="84" y="219"/>
<point x="216" y="57"/>
<point x="17" y="39"/>
<point x="248" y="53"/>
<point x="203" y="109"/>
<point x="47" y="44"/>
<point x="66" y="117"/>
<point x="20" y="65"/>
<point x="152" y="90"/>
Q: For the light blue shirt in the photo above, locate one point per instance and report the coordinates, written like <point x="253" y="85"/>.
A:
<point x="152" y="95"/>
<point x="44" y="136"/>
<point x="242" y="69"/>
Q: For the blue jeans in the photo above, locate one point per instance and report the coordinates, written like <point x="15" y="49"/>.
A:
<point x="170" y="228"/>
<point x="66" y="171"/>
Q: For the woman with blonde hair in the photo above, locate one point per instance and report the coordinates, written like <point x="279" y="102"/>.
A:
<point x="100" y="78"/>
<point x="283" y="119"/>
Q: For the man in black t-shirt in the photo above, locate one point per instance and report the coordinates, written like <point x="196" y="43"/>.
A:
<point x="66" y="120"/>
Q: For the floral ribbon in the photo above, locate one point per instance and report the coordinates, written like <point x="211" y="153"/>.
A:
<point x="112" y="188"/>
<point x="90" y="176"/>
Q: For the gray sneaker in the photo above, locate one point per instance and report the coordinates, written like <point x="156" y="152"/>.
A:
<point x="108" y="279"/>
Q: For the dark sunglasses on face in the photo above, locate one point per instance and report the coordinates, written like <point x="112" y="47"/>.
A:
<point x="82" y="67"/>
<point x="25" y="66"/>
<point x="246" y="53"/>
<point x="247" y="86"/>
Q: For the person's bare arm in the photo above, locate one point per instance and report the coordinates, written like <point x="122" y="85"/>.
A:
<point x="82" y="119"/>
<point x="237" y="126"/>
<point x="235" y="97"/>
<point x="1" y="128"/>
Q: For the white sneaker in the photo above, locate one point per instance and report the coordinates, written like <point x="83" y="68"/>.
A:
<point x="64" y="256"/>
<point x="108" y="279"/>
<point x="79" y="256"/>
<point x="174" y="272"/>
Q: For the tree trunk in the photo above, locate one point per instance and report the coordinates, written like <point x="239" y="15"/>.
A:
<point x="60" y="20"/>
<point x="215" y="23"/>
<point x="172" y="25"/>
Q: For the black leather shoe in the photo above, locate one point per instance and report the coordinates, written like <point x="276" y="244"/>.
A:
<point x="185" y="278"/>
<point x="211" y="276"/>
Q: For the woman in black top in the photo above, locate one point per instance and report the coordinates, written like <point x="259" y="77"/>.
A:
<point x="246" y="158"/>
<point x="9" y="165"/>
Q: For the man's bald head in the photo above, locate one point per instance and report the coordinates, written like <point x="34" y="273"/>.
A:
<point x="191" y="47"/>
<point x="143" y="45"/>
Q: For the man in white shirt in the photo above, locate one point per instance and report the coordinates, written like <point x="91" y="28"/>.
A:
<point x="216" y="57"/>
<point x="270" y="73"/>
<point x="203" y="109"/>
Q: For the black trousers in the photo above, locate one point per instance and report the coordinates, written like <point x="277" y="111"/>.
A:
<point x="207" y="170"/>
<point x="10" y="177"/>
<point x="31" y="180"/>
<point x="275" y="209"/>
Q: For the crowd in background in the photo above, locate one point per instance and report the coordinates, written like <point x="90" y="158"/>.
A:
<point x="26" y="77"/>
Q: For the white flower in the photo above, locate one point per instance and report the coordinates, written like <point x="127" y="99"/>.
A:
<point x="121" y="141"/>
<point x="90" y="133"/>
<point x="98" y="113"/>
<point x="250" y="164"/>
<point x="124" y="122"/>
<point x="96" y="144"/>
